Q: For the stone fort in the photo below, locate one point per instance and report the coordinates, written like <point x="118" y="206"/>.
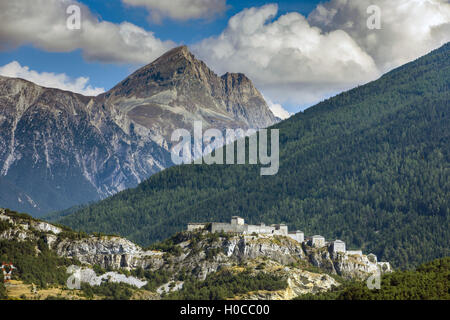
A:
<point x="238" y="225"/>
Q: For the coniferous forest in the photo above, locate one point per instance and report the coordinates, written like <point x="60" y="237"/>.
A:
<point x="430" y="281"/>
<point x="370" y="166"/>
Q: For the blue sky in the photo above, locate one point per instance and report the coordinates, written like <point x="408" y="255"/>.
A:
<point x="295" y="53"/>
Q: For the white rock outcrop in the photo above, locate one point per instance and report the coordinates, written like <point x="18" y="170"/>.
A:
<point x="86" y="275"/>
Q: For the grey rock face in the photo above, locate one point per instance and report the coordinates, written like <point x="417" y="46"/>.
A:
<point x="108" y="252"/>
<point x="253" y="247"/>
<point x="280" y="250"/>
<point x="346" y="264"/>
<point x="105" y="251"/>
<point x="59" y="149"/>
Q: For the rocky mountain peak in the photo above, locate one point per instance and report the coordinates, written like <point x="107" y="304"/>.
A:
<point x="177" y="89"/>
<point x="181" y="51"/>
<point x="117" y="139"/>
<point x="173" y="59"/>
<point x="175" y="68"/>
<point x="239" y="82"/>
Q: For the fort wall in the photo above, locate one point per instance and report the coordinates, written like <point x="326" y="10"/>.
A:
<point x="228" y="227"/>
<point x="297" y="236"/>
<point x="196" y="226"/>
<point x="238" y="225"/>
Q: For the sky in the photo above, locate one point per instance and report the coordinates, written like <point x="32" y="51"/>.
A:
<point x="297" y="53"/>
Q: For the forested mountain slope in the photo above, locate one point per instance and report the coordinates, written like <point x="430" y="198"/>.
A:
<point x="428" y="282"/>
<point x="370" y="166"/>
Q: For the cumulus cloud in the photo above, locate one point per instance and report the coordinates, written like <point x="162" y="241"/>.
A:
<point x="50" y="80"/>
<point x="180" y="9"/>
<point x="409" y="28"/>
<point x="301" y="60"/>
<point x="43" y="24"/>
<point x="287" y="58"/>
<point x="291" y="58"/>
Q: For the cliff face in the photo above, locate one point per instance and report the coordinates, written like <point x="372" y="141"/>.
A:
<point x="306" y="269"/>
<point x="108" y="252"/>
<point x="59" y="149"/>
<point x="299" y="282"/>
<point x="280" y="250"/>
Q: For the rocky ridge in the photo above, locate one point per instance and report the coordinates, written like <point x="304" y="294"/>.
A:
<point x="306" y="269"/>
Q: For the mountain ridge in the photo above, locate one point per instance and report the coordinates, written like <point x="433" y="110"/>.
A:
<point x="198" y="256"/>
<point x="59" y="149"/>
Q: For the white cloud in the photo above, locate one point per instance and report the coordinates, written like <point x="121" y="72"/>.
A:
<point x="180" y="9"/>
<point x="409" y="28"/>
<point x="294" y="59"/>
<point x="287" y="58"/>
<point x="42" y="23"/>
<point x="50" y="80"/>
<point x="291" y="59"/>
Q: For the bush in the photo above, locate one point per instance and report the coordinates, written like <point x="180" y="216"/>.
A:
<point x="43" y="269"/>
<point x="109" y="291"/>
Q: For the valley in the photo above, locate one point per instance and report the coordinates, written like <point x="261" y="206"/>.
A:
<point x="224" y="151"/>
